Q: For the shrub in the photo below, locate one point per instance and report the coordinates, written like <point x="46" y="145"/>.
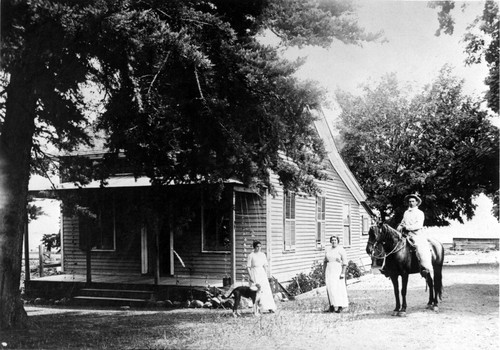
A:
<point x="305" y="282"/>
<point x="352" y="270"/>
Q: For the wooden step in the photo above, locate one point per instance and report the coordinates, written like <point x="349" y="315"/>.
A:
<point x="108" y="301"/>
<point x="116" y="293"/>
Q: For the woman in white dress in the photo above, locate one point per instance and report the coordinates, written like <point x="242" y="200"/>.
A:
<point x="334" y="267"/>
<point x="257" y="272"/>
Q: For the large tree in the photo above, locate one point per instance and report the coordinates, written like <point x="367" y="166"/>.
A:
<point x="482" y="39"/>
<point x="438" y="143"/>
<point x="484" y="45"/>
<point x="189" y="94"/>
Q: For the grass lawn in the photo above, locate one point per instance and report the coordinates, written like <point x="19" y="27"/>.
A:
<point x="469" y="307"/>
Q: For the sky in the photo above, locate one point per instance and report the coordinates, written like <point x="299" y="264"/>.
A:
<point x="412" y="50"/>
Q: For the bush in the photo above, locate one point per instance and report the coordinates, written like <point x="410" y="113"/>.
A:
<point x="352" y="270"/>
<point x="305" y="282"/>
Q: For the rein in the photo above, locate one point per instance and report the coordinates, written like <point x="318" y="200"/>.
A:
<point x="393" y="251"/>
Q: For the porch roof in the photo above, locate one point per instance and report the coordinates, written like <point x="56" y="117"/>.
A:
<point x="118" y="181"/>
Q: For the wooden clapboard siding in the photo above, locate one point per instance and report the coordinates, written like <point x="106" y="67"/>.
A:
<point x="286" y="264"/>
<point x="250" y="225"/>
<point x="126" y="259"/>
<point x="197" y="262"/>
<point x="188" y="244"/>
<point x="120" y="261"/>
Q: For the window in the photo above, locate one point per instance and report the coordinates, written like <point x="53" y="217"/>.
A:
<point x="366" y="224"/>
<point x="216" y="224"/>
<point x="289" y="220"/>
<point x="347" y="225"/>
<point x="320" y="221"/>
<point x="98" y="227"/>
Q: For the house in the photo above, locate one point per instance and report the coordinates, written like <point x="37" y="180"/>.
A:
<point x="188" y="237"/>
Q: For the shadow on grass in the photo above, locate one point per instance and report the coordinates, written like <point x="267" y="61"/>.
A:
<point x="101" y="330"/>
<point x="105" y="328"/>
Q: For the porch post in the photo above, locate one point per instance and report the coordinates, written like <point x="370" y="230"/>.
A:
<point x="88" y="258"/>
<point x="27" y="270"/>
<point x="40" y="260"/>
<point x="144" y="250"/>
<point x="171" y="236"/>
<point x="156" y="232"/>
<point x="233" y="239"/>
<point x="61" y="236"/>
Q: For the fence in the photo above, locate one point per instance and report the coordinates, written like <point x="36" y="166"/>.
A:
<point x="38" y="260"/>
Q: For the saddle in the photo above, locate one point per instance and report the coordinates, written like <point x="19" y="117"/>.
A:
<point x="408" y="235"/>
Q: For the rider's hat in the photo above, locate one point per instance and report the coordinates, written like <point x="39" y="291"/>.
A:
<point x="407" y="198"/>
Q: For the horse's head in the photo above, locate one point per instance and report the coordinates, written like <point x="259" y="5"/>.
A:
<point x="373" y="237"/>
<point x="379" y="235"/>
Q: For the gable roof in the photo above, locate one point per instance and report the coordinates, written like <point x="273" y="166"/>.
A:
<point x="326" y="134"/>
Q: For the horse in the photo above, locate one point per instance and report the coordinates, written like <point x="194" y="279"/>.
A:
<point x="401" y="260"/>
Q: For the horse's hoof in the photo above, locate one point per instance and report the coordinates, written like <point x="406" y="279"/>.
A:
<point x="435" y="309"/>
<point x="429" y="307"/>
<point x="395" y="313"/>
<point x="402" y="314"/>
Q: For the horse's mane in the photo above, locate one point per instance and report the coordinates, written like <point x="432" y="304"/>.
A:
<point x="389" y="232"/>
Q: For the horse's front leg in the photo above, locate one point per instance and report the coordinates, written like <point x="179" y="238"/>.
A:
<point x="395" y="285"/>
<point x="404" y="287"/>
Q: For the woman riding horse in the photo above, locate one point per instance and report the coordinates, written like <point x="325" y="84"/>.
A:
<point x="401" y="260"/>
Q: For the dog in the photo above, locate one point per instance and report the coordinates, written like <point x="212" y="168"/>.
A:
<point x="252" y="293"/>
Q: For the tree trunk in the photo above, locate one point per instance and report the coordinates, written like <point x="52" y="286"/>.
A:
<point x="15" y="154"/>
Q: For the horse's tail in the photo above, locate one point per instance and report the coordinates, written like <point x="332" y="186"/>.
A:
<point x="438" y="281"/>
<point x="438" y="271"/>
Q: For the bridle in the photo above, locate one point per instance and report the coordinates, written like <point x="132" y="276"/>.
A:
<point x="397" y="248"/>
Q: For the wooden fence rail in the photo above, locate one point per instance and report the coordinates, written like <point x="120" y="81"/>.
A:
<point x="41" y="259"/>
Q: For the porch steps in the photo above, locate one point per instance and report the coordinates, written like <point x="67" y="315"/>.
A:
<point x="113" y="297"/>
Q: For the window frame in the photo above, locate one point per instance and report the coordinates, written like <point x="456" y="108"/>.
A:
<point x="365" y="224"/>
<point x="94" y="226"/>
<point x="203" y="228"/>
<point x="347" y="225"/>
<point x="113" y="215"/>
<point x="289" y="221"/>
<point x="320" y="221"/>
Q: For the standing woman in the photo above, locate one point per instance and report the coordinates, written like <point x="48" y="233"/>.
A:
<point x="257" y="272"/>
<point x="334" y="271"/>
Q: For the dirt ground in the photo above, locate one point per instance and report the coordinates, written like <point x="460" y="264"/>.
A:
<point x="468" y="318"/>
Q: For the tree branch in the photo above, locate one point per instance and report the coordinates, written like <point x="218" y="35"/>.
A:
<point x="158" y="73"/>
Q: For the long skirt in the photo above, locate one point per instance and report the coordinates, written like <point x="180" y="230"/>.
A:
<point x="259" y="276"/>
<point x="335" y="287"/>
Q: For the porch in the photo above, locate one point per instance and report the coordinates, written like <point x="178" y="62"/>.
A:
<point x="112" y="290"/>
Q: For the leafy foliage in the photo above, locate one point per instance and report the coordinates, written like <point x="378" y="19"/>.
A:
<point x="438" y="143"/>
<point x="52" y="241"/>
<point x="485" y="45"/>
<point x="352" y="270"/>
<point x="482" y="39"/>
<point x="188" y="95"/>
<point x="445" y="19"/>
<point x="305" y="282"/>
